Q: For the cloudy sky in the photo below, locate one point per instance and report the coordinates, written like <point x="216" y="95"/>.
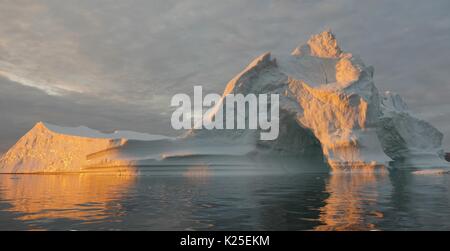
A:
<point x="114" y="64"/>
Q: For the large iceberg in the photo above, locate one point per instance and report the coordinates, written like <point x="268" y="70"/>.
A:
<point x="328" y="98"/>
<point x="330" y="108"/>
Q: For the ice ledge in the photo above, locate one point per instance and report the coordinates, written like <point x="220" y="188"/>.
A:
<point x="86" y="132"/>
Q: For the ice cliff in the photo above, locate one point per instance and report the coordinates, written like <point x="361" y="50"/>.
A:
<point x="329" y="107"/>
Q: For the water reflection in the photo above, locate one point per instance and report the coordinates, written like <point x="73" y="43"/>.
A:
<point x="353" y="201"/>
<point x="207" y="198"/>
<point x="84" y="197"/>
<point x="198" y="172"/>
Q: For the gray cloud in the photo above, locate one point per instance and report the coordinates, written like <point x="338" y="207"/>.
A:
<point x="134" y="55"/>
<point x="21" y="107"/>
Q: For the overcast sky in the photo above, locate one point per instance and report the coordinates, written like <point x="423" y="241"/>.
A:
<point x="114" y="64"/>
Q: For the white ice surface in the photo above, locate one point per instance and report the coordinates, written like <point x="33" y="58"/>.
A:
<point x="83" y="131"/>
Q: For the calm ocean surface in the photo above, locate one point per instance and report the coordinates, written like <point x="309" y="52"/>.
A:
<point x="203" y="198"/>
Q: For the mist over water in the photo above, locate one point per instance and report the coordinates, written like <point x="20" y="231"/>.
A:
<point x="217" y="198"/>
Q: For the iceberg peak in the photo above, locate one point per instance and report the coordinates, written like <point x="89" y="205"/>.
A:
<point x="323" y="45"/>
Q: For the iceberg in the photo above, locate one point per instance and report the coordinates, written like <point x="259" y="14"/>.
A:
<point x="328" y="100"/>
<point x="47" y="148"/>
<point x="330" y="109"/>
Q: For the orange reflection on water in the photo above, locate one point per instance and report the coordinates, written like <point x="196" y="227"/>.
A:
<point x="351" y="204"/>
<point x="197" y="172"/>
<point x="75" y="197"/>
